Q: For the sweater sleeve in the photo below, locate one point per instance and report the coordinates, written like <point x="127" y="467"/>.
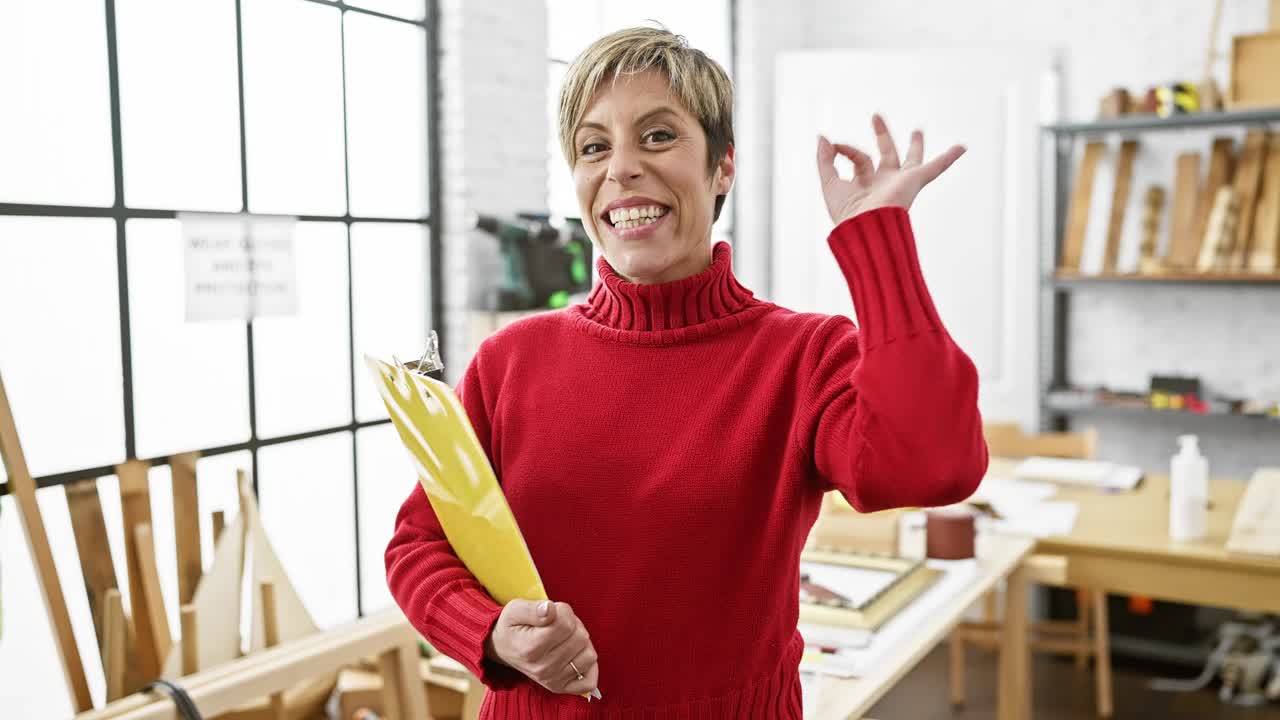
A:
<point x="438" y="594"/>
<point x="891" y="409"/>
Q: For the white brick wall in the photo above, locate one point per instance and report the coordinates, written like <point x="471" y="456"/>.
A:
<point x="1118" y="336"/>
<point x="493" y="135"/>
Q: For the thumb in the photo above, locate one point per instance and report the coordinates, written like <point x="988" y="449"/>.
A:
<point x="826" y="161"/>
<point x="530" y="613"/>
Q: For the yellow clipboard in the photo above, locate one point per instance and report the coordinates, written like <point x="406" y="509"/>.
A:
<point x="458" y="480"/>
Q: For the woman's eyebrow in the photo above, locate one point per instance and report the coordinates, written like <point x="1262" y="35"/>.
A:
<point x="665" y="109"/>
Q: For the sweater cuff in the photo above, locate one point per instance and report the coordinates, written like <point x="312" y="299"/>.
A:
<point x="459" y="626"/>
<point x="876" y="251"/>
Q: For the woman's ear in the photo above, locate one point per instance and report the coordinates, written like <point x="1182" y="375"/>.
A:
<point x="725" y="170"/>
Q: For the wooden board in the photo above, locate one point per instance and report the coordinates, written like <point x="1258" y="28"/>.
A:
<point x="1222" y="160"/>
<point x="23" y="488"/>
<point x="1218" y="232"/>
<point x="158" y="619"/>
<point x="1265" y="248"/>
<point x="1119" y="202"/>
<point x="135" y="506"/>
<point x="90" y="529"/>
<point x="114" y="644"/>
<point x="1081" y="199"/>
<point x="1248" y="177"/>
<point x="1254" y="82"/>
<point x="1184" y="246"/>
<point x="1275" y="15"/>
<point x="186" y="524"/>
<point x="1256" y="526"/>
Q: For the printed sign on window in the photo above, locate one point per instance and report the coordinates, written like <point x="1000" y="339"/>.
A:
<point x="238" y="267"/>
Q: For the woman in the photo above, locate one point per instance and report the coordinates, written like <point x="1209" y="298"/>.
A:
<point x="665" y="446"/>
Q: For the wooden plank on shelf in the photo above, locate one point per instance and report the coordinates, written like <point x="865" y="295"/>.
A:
<point x="1265" y="253"/>
<point x="90" y="530"/>
<point x="1184" y="246"/>
<point x="1248" y="177"/>
<point x="1119" y="202"/>
<point x="1222" y="160"/>
<point x="186" y="524"/>
<point x="1219" y="231"/>
<point x="23" y="488"/>
<point x="1081" y="199"/>
<point x="135" y="506"/>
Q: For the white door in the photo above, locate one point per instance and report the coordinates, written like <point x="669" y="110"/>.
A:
<point x="976" y="226"/>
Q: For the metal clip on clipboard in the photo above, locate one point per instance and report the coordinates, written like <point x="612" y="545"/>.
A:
<point x="430" y="364"/>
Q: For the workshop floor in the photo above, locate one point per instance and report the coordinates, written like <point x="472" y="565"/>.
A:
<point x="1061" y="693"/>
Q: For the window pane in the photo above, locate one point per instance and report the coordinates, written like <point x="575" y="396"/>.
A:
<point x="307" y="509"/>
<point x="388" y="265"/>
<point x="303" y="379"/>
<point x="408" y="9"/>
<point x="190" y="383"/>
<point x="386" y="116"/>
<point x="55" y="130"/>
<point x="179" y="104"/>
<point x="293" y="107"/>
<point x="386" y="478"/>
<point x="60" y="346"/>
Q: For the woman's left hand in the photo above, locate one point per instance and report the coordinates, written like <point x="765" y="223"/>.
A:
<point x="894" y="183"/>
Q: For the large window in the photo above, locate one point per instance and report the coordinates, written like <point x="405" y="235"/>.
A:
<point x="118" y="116"/>
<point x="573" y="25"/>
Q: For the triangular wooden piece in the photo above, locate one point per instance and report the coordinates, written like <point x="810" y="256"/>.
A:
<point x="217" y="603"/>
<point x="295" y="621"/>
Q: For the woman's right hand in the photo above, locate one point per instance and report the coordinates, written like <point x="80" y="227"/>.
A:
<point x="541" y="639"/>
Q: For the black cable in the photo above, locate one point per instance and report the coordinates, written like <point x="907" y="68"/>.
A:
<point x="186" y="706"/>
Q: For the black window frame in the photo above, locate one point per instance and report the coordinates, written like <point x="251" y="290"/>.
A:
<point x="121" y="213"/>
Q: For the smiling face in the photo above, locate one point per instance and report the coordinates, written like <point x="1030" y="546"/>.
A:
<point x="643" y="186"/>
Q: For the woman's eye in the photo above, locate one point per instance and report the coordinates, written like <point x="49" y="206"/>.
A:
<point x="659" y="136"/>
<point x="592" y="148"/>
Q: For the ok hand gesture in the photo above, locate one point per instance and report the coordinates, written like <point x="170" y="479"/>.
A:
<point x="893" y="183"/>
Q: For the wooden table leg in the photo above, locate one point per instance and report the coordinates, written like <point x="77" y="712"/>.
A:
<point x="1102" y="649"/>
<point x="1014" y="696"/>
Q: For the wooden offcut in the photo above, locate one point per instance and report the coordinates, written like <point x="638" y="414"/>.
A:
<point x="1222" y="160"/>
<point x="157" y="619"/>
<point x="1119" y="202"/>
<point x="1264" y="256"/>
<point x="1078" y="213"/>
<point x="186" y="524"/>
<point x="1248" y="178"/>
<point x="1152" y="210"/>
<point x="1255" y="529"/>
<point x="217" y="606"/>
<point x="23" y="488"/>
<point x="1184" y="246"/>
<point x="190" y="640"/>
<point x="90" y="530"/>
<point x="135" y="506"/>
<point x="114" y="644"/>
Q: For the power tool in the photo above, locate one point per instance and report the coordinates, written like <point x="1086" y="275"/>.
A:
<point x="544" y="259"/>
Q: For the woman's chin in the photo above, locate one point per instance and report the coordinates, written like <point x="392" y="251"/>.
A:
<point x="644" y="265"/>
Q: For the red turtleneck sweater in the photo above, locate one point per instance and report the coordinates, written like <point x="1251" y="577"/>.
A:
<point x="665" y="449"/>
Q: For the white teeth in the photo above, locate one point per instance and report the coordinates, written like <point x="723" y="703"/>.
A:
<point x="628" y="224"/>
<point x="624" y="215"/>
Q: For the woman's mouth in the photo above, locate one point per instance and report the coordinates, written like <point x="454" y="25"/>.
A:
<point x="634" y="223"/>
<point x="633" y="217"/>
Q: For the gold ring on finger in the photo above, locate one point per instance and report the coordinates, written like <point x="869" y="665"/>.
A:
<point x="576" y="670"/>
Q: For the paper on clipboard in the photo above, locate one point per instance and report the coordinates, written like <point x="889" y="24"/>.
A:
<point x="458" y="481"/>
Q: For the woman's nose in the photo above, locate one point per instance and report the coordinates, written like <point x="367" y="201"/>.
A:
<point x="624" y="165"/>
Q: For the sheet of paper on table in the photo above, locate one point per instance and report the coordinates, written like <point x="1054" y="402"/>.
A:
<point x="1090" y="473"/>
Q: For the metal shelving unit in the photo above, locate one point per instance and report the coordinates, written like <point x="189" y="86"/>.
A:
<point x="1056" y="288"/>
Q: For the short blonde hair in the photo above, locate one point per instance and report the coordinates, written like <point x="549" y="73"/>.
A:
<point x="701" y="85"/>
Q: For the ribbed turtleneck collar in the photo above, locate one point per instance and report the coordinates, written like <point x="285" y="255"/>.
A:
<point x="709" y="296"/>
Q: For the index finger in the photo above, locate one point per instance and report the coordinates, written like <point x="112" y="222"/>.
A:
<point x="888" y="150"/>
